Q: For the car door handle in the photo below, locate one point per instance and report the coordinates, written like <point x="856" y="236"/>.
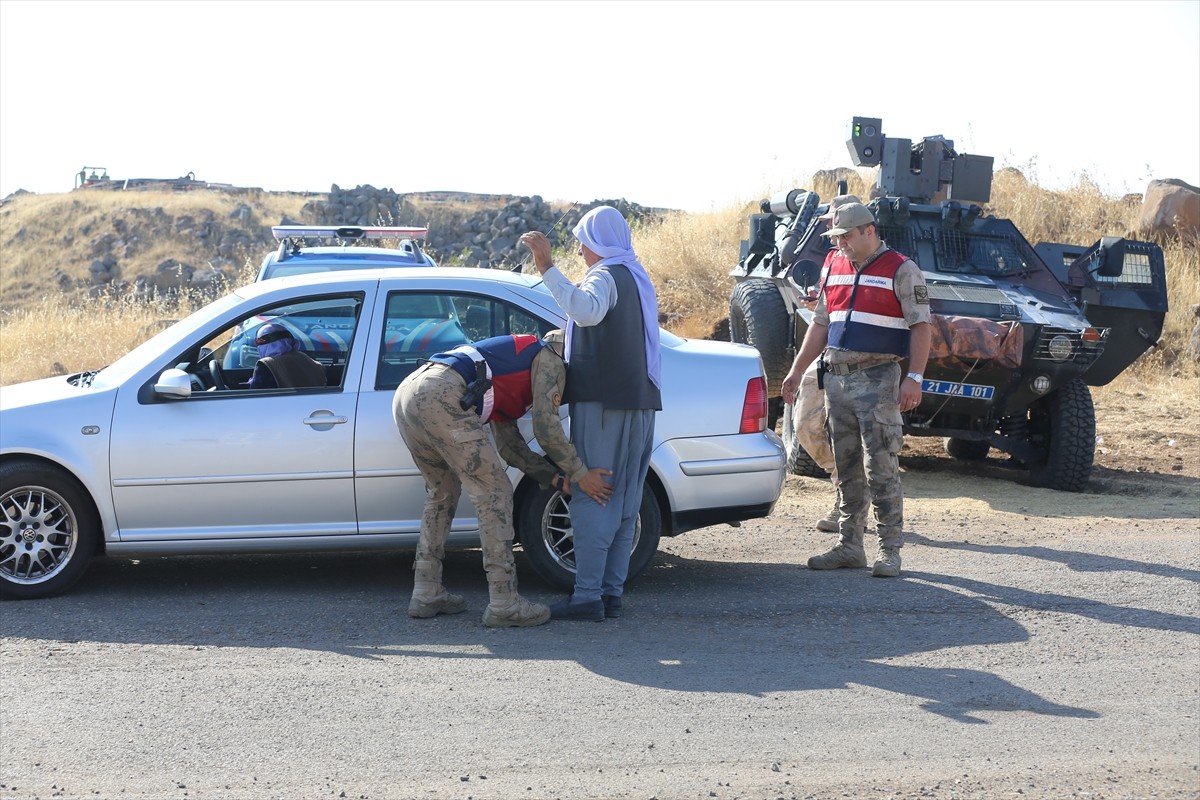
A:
<point x="324" y="420"/>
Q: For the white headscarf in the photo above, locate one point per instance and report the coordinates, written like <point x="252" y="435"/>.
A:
<point x="606" y="233"/>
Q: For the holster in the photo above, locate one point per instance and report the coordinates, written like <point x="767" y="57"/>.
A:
<point x="821" y="372"/>
<point x="476" y="388"/>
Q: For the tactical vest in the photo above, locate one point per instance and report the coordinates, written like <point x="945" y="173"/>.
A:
<point x="864" y="313"/>
<point x="508" y="361"/>
<point x="608" y="360"/>
<point x="294" y="370"/>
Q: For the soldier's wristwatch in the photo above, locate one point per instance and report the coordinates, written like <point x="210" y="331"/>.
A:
<point x="916" y="376"/>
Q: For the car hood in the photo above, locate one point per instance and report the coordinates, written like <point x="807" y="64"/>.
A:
<point x="40" y="392"/>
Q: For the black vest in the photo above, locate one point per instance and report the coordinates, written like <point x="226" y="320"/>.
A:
<point x="608" y="360"/>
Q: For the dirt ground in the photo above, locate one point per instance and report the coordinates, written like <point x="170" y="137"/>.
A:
<point x="1147" y="448"/>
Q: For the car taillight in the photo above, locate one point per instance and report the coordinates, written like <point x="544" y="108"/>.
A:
<point x="754" y="407"/>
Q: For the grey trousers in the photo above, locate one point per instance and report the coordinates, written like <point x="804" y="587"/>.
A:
<point x="620" y="441"/>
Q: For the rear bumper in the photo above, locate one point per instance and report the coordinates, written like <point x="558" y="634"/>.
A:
<point x="719" y="479"/>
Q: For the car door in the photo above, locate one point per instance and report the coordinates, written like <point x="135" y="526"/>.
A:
<point x="240" y="463"/>
<point x="417" y="322"/>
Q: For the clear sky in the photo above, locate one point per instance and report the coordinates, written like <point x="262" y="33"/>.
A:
<point x="697" y="105"/>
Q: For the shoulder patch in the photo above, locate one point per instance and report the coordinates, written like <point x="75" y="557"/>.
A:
<point x="922" y="294"/>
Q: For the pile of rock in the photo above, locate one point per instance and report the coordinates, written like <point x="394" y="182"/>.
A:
<point x="464" y="229"/>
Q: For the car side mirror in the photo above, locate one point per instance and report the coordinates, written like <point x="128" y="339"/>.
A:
<point x="174" y="383"/>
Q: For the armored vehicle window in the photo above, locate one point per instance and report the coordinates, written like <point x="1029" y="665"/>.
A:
<point x="1137" y="270"/>
<point x="899" y="238"/>
<point x="979" y="254"/>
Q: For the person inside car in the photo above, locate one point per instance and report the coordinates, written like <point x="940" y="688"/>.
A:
<point x="281" y="362"/>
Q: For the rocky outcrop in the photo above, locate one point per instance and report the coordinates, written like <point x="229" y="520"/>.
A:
<point x="1171" y="207"/>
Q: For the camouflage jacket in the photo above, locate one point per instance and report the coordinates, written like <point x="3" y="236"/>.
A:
<point x="548" y="376"/>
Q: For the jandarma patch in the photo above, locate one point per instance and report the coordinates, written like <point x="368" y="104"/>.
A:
<point x="921" y="293"/>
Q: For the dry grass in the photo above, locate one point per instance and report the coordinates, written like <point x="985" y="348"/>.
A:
<point x="58" y="335"/>
<point x="689" y="256"/>
<point x="45" y="235"/>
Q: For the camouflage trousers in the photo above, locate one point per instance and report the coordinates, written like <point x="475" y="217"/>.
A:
<point x="866" y="431"/>
<point x="452" y="450"/>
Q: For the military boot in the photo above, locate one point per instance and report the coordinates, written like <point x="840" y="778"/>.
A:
<point x="829" y="522"/>
<point x="848" y="552"/>
<point x="429" y="597"/>
<point x="508" y="609"/>
<point x="887" y="562"/>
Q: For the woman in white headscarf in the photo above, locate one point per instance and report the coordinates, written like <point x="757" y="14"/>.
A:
<point x="614" y="389"/>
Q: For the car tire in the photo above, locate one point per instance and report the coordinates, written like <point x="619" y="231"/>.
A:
<point x="967" y="449"/>
<point x="1062" y="425"/>
<point x="49" y="529"/>
<point x="799" y="462"/>
<point x="548" y="541"/>
<point x="759" y="317"/>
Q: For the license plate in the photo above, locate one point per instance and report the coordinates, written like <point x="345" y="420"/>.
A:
<point x="972" y="391"/>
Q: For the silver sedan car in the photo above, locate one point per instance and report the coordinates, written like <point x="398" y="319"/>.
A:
<point x="167" y="452"/>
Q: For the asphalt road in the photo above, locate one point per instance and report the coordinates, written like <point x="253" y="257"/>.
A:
<point x="1024" y="653"/>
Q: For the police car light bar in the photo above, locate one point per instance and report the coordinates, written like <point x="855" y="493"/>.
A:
<point x="284" y="232"/>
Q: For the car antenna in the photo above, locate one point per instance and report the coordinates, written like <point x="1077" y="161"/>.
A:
<point x="520" y="268"/>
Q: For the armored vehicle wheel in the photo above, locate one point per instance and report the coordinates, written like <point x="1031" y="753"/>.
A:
<point x="758" y="317"/>
<point x="799" y="462"/>
<point x="1063" y="426"/>
<point x="967" y="449"/>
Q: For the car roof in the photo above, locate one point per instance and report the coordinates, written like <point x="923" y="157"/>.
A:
<point x="451" y="274"/>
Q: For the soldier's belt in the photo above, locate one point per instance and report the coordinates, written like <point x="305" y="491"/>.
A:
<point x="846" y="369"/>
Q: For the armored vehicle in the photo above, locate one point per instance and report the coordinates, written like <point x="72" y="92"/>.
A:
<point x="1020" y="332"/>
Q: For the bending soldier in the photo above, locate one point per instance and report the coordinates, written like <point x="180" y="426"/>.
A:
<point x="440" y="411"/>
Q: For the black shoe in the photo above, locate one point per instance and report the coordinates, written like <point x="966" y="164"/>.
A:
<point x="592" y="610"/>
<point x="612" y="606"/>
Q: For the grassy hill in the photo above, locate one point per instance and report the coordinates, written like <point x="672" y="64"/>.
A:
<point x="56" y="314"/>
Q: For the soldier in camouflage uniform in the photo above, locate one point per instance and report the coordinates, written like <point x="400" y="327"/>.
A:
<point x="451" y="448"/>
<point x="872" y="314"/>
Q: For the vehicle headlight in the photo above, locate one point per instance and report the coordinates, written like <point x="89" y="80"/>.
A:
<point x="1040" y="384"/>
<point x="1060" y="348"/>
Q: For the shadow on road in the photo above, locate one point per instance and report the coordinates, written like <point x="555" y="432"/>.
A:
<point x="691" y="625"/>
